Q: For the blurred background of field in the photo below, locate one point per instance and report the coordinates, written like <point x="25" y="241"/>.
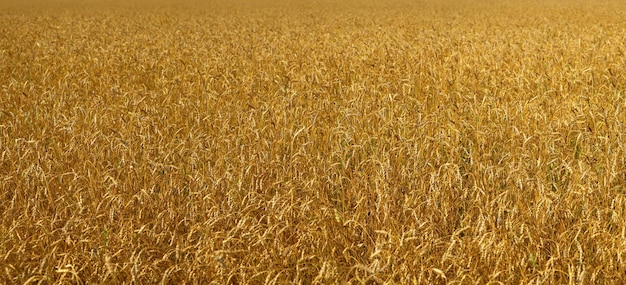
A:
<point x="312" y="142"/>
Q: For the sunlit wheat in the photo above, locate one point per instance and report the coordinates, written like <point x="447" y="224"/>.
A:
<point x="326" y="142"/>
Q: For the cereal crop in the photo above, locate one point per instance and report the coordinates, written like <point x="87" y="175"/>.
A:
<point x="313" y="142"/>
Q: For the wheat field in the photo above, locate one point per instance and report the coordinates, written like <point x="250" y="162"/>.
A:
<point x="313" y="142"/>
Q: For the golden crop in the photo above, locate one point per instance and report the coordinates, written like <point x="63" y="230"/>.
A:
<point x="399" y="142"/>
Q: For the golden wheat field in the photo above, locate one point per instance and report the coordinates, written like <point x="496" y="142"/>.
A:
<point x="313" y="142"/>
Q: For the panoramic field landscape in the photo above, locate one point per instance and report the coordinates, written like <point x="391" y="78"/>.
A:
<point x="313" y="142"/>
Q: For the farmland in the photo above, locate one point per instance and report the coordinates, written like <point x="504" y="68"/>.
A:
<point x="313" y="142"/>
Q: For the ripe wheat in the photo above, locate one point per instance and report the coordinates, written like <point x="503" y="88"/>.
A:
<point x="313" y="142"/>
